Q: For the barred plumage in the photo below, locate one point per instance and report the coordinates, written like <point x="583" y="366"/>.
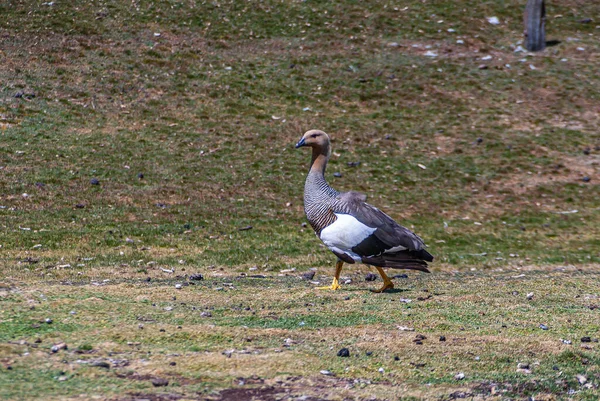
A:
<point x="351" y="228"/>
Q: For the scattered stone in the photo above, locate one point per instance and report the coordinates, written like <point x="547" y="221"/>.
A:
<point x="159" y="382"/>
<point x="586" y="179"/>
<point x="369" y="353"/>
<point x="79" y="206"/>
<point x="326" y="373"/>
<point x="442" y="338"/>
<point x="95" y="181"/>
<point x="400" y="276"/>
<point x="197" y="277"/>
<point x="396" y="358"/>
<point x="100" y="364"/>
<point x="344" y="353"/>
<point x="370" y="277"/>
<point x="585" y="21"/>
<point x="568" y="342"/>
<point x="246" y="228"/>
<point x="57" y="347"/>
<point x="482" y="67"/>
<point x="493" y="20"/>
<point x="405" y="328"/>
<point x="308" y="275"/>
<point x="586" y="339"/>
<point x="337" y="174"/>
<point x="347" y="298"/>
<point x="140" y="176"/>
<point x="206" y="314"/>
<point x="353" y="164"/>
<point x="581" y="379"/>
<point x="543" y="327"/>
<point x="178" y="286"/>
<point x="172" y="363"/>
<point x="48" y="320"/>
<point x="522" y="366"/>
<point x="530" y="296"/>
<point x="459" y="376"/>
<point x="381" y="370"/>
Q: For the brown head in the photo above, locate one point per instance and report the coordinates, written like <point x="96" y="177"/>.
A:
<point x="321" y="150"/>
<point x="316" y="139"/>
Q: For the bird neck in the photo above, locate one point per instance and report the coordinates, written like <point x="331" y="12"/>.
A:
<point x="320" y="157"/>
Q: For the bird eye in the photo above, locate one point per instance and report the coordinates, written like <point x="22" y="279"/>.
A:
<point x="314" y="135"/>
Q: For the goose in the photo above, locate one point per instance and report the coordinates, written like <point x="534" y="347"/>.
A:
<point x="355" y="231"/>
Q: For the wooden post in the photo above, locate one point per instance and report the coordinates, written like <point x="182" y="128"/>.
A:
<point x="534" y="19"/>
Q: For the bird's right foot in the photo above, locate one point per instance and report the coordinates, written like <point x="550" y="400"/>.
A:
<point x="335" y="285"/>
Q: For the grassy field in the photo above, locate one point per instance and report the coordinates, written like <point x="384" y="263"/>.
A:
<point x="143" y="143"/>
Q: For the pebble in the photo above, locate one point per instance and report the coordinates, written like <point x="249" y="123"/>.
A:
<point x="586" y="179"/>
<point x="140" y="176"/>
<point x="344" y="353"/>
<point x="206" y="314"/>
<point x="581" y="379"/>
<point x="442" y="338"/>
<point x="396" y="358"/>
<point x="337" y="174"/>
<point x="57" y="347"/>
<point x="530" y="296"/>
<point x="95" y="181"/>
<point x="493" y="20"/>
<point x="370" y="277"/>
<point x="308" y="275"/>
<point x="326" y="373"/>
<point x="381" y="370"/>
<point x="178" y="286"/>
<point x="100" y="364"/>
<point x="197" y="277"/>
<point x="159" y="382"/>
<point x="482" y="67"/>
<point x="459" y="376"/>
<point x="586" y="339"/>
<point x="543" y="327"/>
<point x="48" y="320"/>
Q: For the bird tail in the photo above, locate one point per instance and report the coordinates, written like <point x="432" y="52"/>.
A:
<point x="412" y="260"/>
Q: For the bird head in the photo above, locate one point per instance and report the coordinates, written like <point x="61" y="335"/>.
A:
<point x="315" y="139"/>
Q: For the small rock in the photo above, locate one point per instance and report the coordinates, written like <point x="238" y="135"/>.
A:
<point x="57" y="347"/>
<point x="100" y="364"/>
<point x="369" y="353"/>
<point x="347" y="298"/>
<point x="337" y="174"/>
<point x="326" y="373"/>
<point x="530" y="296"/>
<point x="442" y="338"/>
<point x="405" y="328"/>
<point x="568" y="342"/>
<point x="353" y="164"/>
<point x="172" y="363"/>
<point x="585" y="21"/>
<point x="459" y="376"/>
<point x="400" y="276"/>
<point x="493" y="20"/>
<point x="581" y="379"/>
<point x="308" y="275"/>
<point x="543" y="327"/>
<point x="396" y="358"/>
<point x="586" y="179"/>
<point x="381" y="370"/>
<point x="178" y="286"/>
<point x="159" y="382"/>
<point x="586" y="339"/>
<point x="344" y="353"/>
<point x="482" y="67"/>
<point x="370" y="277"/>
<point x="141" y="326"/>
<point x="522" y="366"/>
<point x="197" y="277"/>
<point x="206" y="314"/>
<point x="48" y="321"/>
<point x="140" y="176"/>
<point x="95" y="181"/>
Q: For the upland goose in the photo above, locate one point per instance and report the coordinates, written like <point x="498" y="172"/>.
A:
<point x="351" y="228"/>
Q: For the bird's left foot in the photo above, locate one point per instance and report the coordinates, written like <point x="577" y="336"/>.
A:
<point x="387" y="285"/>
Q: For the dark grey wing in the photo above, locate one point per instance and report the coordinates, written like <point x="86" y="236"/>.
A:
<point x="388" y="237"/>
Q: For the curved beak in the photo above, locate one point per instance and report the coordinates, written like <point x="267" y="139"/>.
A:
<point x="300" y="143"/>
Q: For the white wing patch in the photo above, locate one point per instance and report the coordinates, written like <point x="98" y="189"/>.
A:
<point x="345" y="233"/>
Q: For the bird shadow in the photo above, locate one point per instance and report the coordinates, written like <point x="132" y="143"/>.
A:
<point x="550" y="43"/>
